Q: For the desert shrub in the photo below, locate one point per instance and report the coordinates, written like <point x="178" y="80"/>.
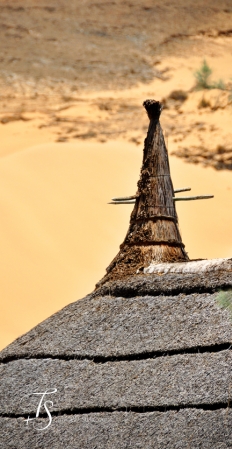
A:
<point x="178" y="95"/>
<point x="230" y="96"/>
<point x="203" y="103"/>
<point x="219" y="85"/>
<point x="203" y="78"/>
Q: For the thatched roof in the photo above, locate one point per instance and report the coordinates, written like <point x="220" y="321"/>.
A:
<point x="152" y="368"/>
<point x="142" y="362"/>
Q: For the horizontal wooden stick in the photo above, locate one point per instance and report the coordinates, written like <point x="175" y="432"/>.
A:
<point x="133" y="197"/>
<point x="190" y="198"/>
<point x="183" y="198"/>
<point x="125" y="198"/>
<point x="185" y="189"/>
<point x="122" y="202"/>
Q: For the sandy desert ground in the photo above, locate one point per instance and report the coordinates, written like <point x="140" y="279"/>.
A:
<point x="73" y="76"/>
<point x="82" y="69"/>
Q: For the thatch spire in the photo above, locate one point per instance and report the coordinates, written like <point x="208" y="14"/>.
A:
<point x="153" y="235"/>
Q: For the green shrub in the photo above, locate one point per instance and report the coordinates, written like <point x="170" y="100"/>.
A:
<point x="219" y="85"/>
<point x="203" y="78"/>
<point x="230" y="97"/>
<point x="224" y="300"/>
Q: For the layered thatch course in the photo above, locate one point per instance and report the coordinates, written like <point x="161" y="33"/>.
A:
<point x="189" y="428"/>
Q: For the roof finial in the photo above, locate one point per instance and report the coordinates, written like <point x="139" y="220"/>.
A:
<point x="153" y="235"/>
<point x="153" y="109"/>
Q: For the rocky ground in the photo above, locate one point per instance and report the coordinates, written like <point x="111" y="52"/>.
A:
<point x="82" y="69"/>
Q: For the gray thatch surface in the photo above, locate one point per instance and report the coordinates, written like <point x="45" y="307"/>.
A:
<point x="169" y="283"/>
<point x="178" y="380"/>
<point x="171" y="430"/>
<point x="109" y="326"/>
<point x="132" y="346"/>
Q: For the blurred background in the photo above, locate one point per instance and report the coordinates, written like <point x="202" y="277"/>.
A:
<point x="73" y="77"/>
